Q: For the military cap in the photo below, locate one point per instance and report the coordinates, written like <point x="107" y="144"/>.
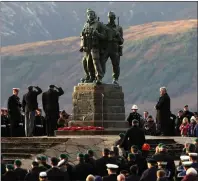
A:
<point x="90" y="10"/>
<point x="186" y="106"/>
<point x="51" y="86"/>
<point x="17" y="89"/>
<point x="43" y="158"/>
<point x="63" y="156"/>
<point x="43" y="174"/>
<point x="111" y="13"/>
<point x="180" y="111"/>
<point x="80" y="155"/>
<point x="184" y="158"/>
<point x="121" y="135"/>
<point x="18" y="162"/>
<point x="160" y="144"/>
<point x="196" y="140"/>
<point x="10" y="167"/>
<point x="135" y="121"/>
<point x="193" y="154"/>
<point x="152" y="161"/>
<point x="112" y="166"/>
<point x="162" y="163"/>
<point x="187" y="163"/>
<point x="162" y="147"/>
<point x="91" y="152"/>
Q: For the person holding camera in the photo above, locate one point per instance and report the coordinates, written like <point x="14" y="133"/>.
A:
<point x="50" y="101"/>
<point x="29" y="106"/>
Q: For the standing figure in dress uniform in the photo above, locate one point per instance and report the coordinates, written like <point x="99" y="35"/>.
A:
<point x="50" y="101"/>
<point x="14" y="111"/>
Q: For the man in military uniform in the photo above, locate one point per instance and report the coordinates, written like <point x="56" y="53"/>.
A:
<point x="93" y="33"/>
<point x="14" y="112"/>
<point x="50" y="101"/>
<point x="113" y="47"/>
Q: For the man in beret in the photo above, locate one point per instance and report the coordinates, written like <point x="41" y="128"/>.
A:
<point x="50" y="101"/>
<point x="30" y="105"/>
<point x="14" y="112"/>
<point x="64" y="157"/>
<point x="10" y="175"/>
<point x="20" y="172"/>
<point x="82" y="169"/>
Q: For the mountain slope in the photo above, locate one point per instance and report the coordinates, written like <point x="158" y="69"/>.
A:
<point x="155" y="54"/>
<point x="23" y="22"/>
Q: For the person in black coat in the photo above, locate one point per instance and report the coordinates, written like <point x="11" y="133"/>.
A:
<point x="20" y="172"/>
<point x="30" y="105"/>
<point x="82" y="169"/>
<point x="135" y="135"/>
<point x="50" y="101"/>
<point x="163" y="113"/>
<point x="178" y="122"/>
<point x="112" y="173"/>
<point x="14" y="112"/>
<point x="10" y="175"/>
<point x="55" y="173"/>
<point x="101" y="163"/>
<point x="33" y="174"/>
<point x="151" y="173"/>
<point x="187" y="113"/>
<point x="133" y="174"/>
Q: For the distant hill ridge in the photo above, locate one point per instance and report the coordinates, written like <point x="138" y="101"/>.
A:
<point x="155" y="54"/>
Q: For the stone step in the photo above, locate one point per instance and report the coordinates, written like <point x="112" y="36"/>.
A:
<point x="29" y="150"/>
<point x="109" y="131"/>
<point x="16" y="155"/>
<point x="105" y="124"/>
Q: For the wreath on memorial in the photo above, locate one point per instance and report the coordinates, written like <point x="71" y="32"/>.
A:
<point x="78" y="128"/>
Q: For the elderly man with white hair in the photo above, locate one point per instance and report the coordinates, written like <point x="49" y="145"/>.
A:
<point x="121" y="177"/>
<point x="163" y="113"/>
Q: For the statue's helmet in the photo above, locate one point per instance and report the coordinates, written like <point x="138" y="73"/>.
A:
<point x="111" y="14"/>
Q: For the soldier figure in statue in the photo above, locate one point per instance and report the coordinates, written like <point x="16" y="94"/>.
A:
<point x="93" y="32"/>
<point x="113" y="48"/>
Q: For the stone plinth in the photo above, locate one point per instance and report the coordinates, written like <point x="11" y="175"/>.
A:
<point x="98" y="103"/>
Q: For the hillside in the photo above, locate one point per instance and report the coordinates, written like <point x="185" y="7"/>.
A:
<point x="25" y="22"/>
<point x="155" y="54"/>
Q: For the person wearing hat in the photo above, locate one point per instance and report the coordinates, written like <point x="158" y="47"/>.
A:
<point x="14" y="112"/>
<point x="44" y="162"/>
<point x="150" y="173"/>
<point x="39" y="124"/>
<point x="43" y="176"/>
<point x="10" y="175"/>
<point x="30" y="105"/>
<point x="91" y="36"/>
<point x="82" y="169"/>
<point x="133" y="136"/>
<point x="112" y="172"/>
<point x="20" y="172"/>
<point x="134" y="115"/>
<point x="91" y="160"/>
<point x="186" y="166"/>
<point x="33" y="174"/>
<point x="64" y="157"/>
<point x="113" y="49"/>
<point x="163" y="113"/>
<point x="50" y="101"/>
<point x="164" y="156"/>
<point x="187" y="113"/>
<point x="178" y="122"/>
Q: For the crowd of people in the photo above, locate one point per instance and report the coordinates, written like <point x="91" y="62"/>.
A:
<point x="113" y="165"/>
